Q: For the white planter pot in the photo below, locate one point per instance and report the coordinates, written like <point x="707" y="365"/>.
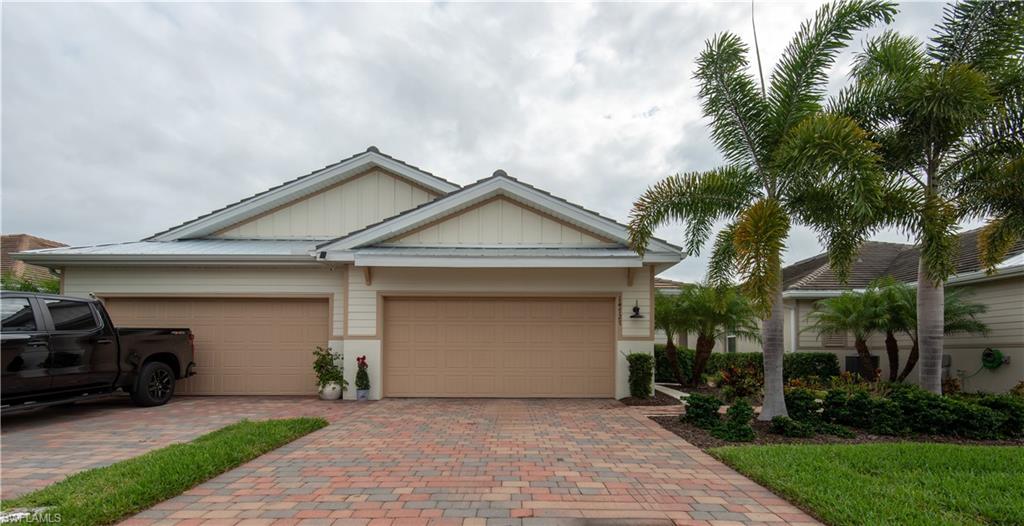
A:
<point x="330" y="391"/>
<point x="362" y="394"/>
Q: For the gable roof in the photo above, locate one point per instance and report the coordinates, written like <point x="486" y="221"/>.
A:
<point x="297" y="188"/>
<point x="499" y="184"/>
<point x="877" y="259"/>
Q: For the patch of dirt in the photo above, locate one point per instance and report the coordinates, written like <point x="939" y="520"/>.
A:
<point x="659" y="398"/>
<point x="704" y="440"/>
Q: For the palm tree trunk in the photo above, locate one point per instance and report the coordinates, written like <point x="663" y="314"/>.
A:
<point x="930" y="306"/>
<point x="892" y="349"/>
<point x="866" y="365"/>
<point x="672" y="355"/>
<point x="771" y="332"/>
<point x="701" y="356"/>
<point x="911" y="362"/>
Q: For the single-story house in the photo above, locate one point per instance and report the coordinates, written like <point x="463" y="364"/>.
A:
<point x="13" y="243"/>
<point x="495" y="289"/>
<point x="811" y="280"/>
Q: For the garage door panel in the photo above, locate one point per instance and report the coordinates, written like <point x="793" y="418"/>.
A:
<point x="243" y="345"/>
<point x="499" y="347"/>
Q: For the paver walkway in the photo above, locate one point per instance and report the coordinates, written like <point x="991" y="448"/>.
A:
<point x="459" y="462"/>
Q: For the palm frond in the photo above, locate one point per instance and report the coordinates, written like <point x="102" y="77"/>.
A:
<point x="938" y="237"/>
<point x="730" y="98"/>
<point x="759" y="240"/>
<point x="722" y="263"/>
<point x="695" y="199"/>
<point x="798" y="82"/>
<point x="983" y="34"/>
<point x="997" y="237"/>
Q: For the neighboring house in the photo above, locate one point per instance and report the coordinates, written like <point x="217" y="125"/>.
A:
<point x="811" y="280"/>
<point x="12" y="243"/>
<point x="495" y="289"/>
<point x="727" y="343"/>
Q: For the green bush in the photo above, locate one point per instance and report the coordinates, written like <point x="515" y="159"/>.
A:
<point x="641" y="374"/>
<point x="973" y="420"/>
<point x="1012" y="409"/>
<point x="884" y="417"/>
<point x="664" y="373"/>
<point x="736" y="426"/>
<point x="719" y="361"/>
<point x="809" y="365"/>
<point x="828" y="428"/>
<point x="859" y="409"/>
<point x="702" y="410"/>
<point x="785" y="426"/>
<point x="802" y="405"/>
<point x="922" y="411"/>
<point x="740" y="382"/>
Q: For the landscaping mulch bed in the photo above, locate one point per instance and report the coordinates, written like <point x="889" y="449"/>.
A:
<point x="659" y="398"/>
<point x="704" y="389"/>
<point x="703" y="439"/>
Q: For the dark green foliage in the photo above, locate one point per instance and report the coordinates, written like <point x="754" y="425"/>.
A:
<point x="828" y="428"/>
<point x="106" y="495"/>
<point x="641" y="374"/>
<point x="664" y="373"/>
<point x="884" y="417"/>
<point x="802" y="405"/>
<point x="740" y="382"/>
<point x="924" y="412"/>
<point x="736" y="426"/>
<point x="702" y="410"/>
<point x="973" y="420"/>
<point x="734" y="360"/>
<point x="1012" y="409"/>
<point x="859" y="409"/>
<point x="326" y="368"/>
<point x="810" y="364"/>
<point x="8" y="281"/>
<point x="785" y="426"/>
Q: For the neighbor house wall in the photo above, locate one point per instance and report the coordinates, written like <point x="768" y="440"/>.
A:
<point x="338" y="210"/>
<point x="365" y="302"/>
<point x="1004" y="299"/>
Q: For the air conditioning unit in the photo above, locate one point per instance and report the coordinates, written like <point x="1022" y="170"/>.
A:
<point x="853" y="364"/>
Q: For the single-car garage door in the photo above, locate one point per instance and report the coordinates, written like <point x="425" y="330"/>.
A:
<point x="499" y="347"/>
<point x="243" y="345"/>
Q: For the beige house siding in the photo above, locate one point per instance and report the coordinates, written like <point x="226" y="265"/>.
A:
<point x="499" y="222"/>
<point x="338" y="210"/>
<point x="1005" y="318"/>
<point x="214" y="282"/>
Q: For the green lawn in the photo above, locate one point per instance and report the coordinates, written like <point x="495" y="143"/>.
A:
<point x="105" y="495"/>
<point x="896" y="483"/>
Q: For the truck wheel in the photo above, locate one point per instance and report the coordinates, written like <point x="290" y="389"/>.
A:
<point x="154" y="385"/>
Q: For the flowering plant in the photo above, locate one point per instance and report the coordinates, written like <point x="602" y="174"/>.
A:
<point x="362" y="377"/>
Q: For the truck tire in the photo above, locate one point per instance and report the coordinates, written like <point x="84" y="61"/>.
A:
<point x="154" y="385"/>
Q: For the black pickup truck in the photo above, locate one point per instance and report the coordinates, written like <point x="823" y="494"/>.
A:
<point x="58" y="349"/>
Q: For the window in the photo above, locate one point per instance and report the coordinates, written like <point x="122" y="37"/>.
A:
<point x="17" y="315"/>
<point x="71" y="315"/>
<point x="730" y="343"/>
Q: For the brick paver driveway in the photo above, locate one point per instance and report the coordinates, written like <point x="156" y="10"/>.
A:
<point x="430" y="461"/>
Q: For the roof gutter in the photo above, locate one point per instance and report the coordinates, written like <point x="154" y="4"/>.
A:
<point x="966" y="278"/>
<point x="56" y="260"/>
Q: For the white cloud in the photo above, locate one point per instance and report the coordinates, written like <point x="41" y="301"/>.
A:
<point x="121" y="120"/>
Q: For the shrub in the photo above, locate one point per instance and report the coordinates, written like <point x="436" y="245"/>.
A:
<point x="702" y="410"/>
<point x="923" y="412"/>
<point x="973" y="420"/>
<point x="828" y="428"/>
<point x="785" y="426"/>
<point x="736" y="427"/>
<point x="810" y="364"/>
<point x="739" y="360"/>
<point x="802" y="405"/>
<point x="857" y="408"/>
<point x="740" y="382"/>
<point x="664" y="373"/>
<point x="641" y="374"/>
<point x="1012" y="409"/>
<point x="326" y="368"/>
<point x="1018" y="390"/>
<point x="884" y="417"/>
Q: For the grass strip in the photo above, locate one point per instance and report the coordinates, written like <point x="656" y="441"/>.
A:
<point x="894" y="483"/>
<point x="105" y="495"/>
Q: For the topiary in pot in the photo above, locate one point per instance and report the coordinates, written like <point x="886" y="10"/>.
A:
<point x="362" y="379"/>
<point x="329" y="375"/>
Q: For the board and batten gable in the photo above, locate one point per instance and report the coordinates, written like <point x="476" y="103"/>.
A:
<point x="499" y="221"/>
<point x="335" y="211"/>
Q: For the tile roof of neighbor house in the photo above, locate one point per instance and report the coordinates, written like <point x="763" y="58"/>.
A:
<point x="877" y="259"/>
<point x="662" y="283"/>
<point x="11" y="243"/>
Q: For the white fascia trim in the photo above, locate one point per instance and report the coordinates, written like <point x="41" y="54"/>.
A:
<point x="484" y="190"/>
<point x="959" y="279"/>
<point x="56" y="260"/>
<point x="496" y="262"/>
<point x="241" y="211"/>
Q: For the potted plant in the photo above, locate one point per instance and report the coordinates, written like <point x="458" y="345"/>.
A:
<point x="329" y="375"/>
<point x="362" y="379"/>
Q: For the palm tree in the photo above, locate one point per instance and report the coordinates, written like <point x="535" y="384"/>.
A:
<point x="669" y="317"/>
<point x="860" y="313"/>
<point x="949" y="117"/>
<point x="713" y="312"/>
<point x="786" y="160"/>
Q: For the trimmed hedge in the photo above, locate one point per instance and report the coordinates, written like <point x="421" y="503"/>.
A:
<point x="641" y="372"/>
<point x="794" y="365"/>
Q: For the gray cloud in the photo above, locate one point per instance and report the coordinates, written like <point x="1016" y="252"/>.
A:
<point x="121" y="120"/>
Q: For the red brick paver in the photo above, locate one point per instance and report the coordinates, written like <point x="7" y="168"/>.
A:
<point x="468" y="462"/>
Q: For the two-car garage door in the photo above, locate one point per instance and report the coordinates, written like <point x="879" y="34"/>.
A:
<point x="499" y="347"/>
<point x="243" y="345"/>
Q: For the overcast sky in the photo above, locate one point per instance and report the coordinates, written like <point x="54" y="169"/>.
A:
<point x="121" y="120"/>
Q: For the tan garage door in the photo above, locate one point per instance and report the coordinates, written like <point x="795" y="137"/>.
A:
<point x="499" y="347"/>
<point x="243" y="345"/>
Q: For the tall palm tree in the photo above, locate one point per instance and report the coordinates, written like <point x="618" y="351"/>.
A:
<point x="670" y="318"/>
<point x="786" y="161"/>
<point x="859" y="313"/>
<point x="713" y="312"/>
<point x="949" y="117"/>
